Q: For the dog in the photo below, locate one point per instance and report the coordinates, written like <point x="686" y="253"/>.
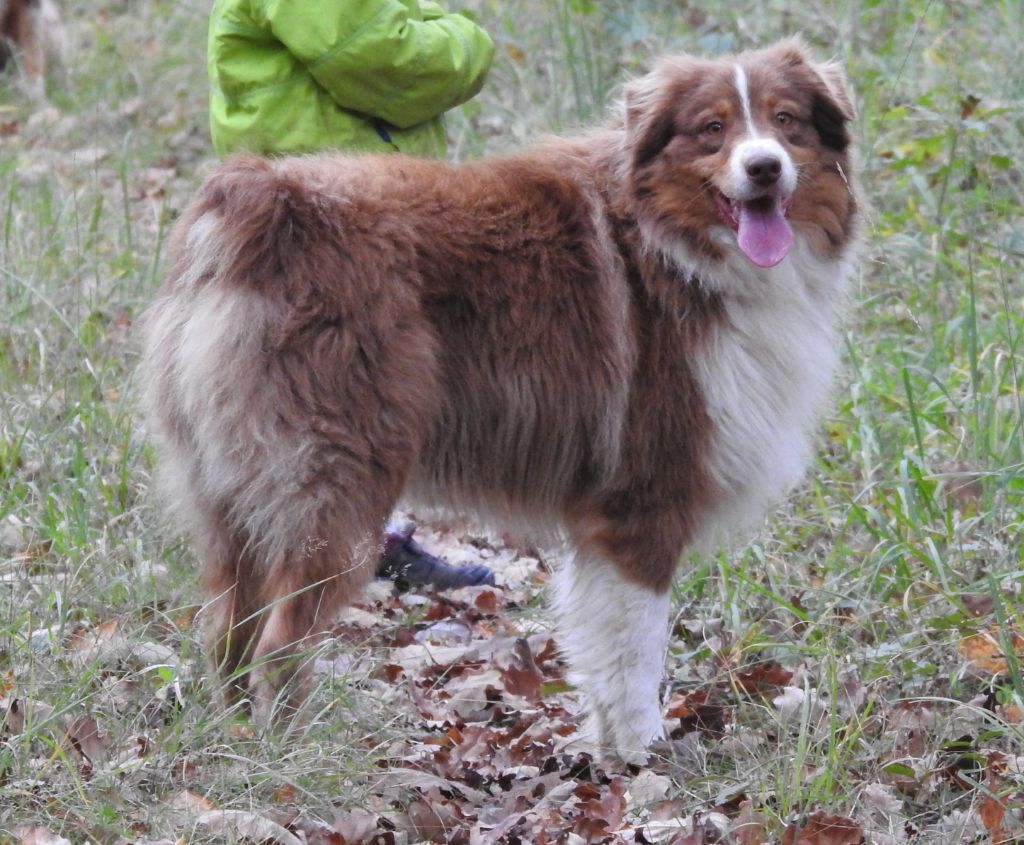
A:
<point x="625" y="335"/>
<point x="31" y="33"/>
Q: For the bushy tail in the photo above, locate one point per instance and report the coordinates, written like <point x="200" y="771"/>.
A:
<point x="290" y="382"/>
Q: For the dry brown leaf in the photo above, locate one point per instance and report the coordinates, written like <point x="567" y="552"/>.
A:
<point x="39" y="836"/>
<point x="695" y="838"/>
<point x="882" y="798"/>
<point x="355" y="826"/>
<point x="239" y="730"/>
<point x="820" y="828"/>
<point x="993" y="812"/>
<point x="979" y="605"/>
<point x="83" y="732"/>
<point x="1012" y="712"/>
<point x="762" y="677"/>
<point x="284" y="794"/>
<point x="429" y="819"/>
<point x="698" y="711"/>
<point x="984" y="650"/>
<point x="247" y="825"/>
<point x="89" y="644"/>
<point x="488" y="601"/>
<point x="190" y="802"/>
<point x="749" y="827"/>
<point x="317" y="833"/>
<point x="523" y="677"/>
<point x="968" y="105"/>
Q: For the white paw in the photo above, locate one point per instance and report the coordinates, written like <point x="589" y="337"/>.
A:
<point x="631" y="730"/>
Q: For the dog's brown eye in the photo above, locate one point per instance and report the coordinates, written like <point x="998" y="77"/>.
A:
<point x="784" y="118"/>
<point x="713" y="127"/>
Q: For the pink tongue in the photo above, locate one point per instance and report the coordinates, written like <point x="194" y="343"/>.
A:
<point x="765" y="236"/>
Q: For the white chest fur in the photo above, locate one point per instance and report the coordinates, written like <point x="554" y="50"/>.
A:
<point x="765" y="372"/>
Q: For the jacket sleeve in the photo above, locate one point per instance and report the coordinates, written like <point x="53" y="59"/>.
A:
<point x="385" y="58"/>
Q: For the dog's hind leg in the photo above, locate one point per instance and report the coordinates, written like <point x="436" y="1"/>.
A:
<point x="232" y="616"/>
<point x="350" y="411"/>
<point x="304" y="591"/>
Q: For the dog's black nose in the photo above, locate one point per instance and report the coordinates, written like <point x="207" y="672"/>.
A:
<point x="764" y="170"/>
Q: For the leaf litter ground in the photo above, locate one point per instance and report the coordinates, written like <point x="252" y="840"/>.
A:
<point x="486" y="743"/>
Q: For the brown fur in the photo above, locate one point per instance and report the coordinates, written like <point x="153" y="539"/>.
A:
<point x="30" y="31"/>
<point x="502" y="334"/>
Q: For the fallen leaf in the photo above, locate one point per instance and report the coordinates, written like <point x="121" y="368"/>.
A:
<point x="523" y="677"/>
<point x="1012" y="712"/>
<point x="39" y="836"/>
<point x="749" y="827"/>
<point x="96" y="643"/>
<point x="355" y="826"/>
<point x="763" y="677"/>
<point x="83" y="732"/>
<point x="246" y="824"/>
<point x="284" y="794"/>
<point x="647" y="789"/>
<point x="992" y="812"/>
<point x="698" y="711"/>
<point x="820" y="828"/>
<point x="789" y="701"/>
<point x="992" y="809"/>
<point x="190" y="802"/>
<point x="984" y="650"/>
<point x="430" y="819"/>
<point x="850" y="693"/>
<point x="488" y="601"/>
<point x="316" y="832"/>
<point x="881" y="797"/>
<point x="979" y="605"/>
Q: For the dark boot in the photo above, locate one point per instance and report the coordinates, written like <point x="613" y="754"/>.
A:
<point x="409" y="565"/>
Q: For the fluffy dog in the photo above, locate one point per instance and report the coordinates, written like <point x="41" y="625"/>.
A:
<point x="625" y="334"/>
<point x="32" y="34"/>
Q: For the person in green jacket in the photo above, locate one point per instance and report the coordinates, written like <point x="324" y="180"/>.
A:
<point x="292" y="76"/>
<point x="295" y="76"/>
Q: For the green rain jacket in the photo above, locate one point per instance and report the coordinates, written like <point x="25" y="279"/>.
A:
<point x="374" y="75"/>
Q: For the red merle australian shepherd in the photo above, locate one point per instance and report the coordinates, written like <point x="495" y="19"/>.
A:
<point x="626" y="334"/>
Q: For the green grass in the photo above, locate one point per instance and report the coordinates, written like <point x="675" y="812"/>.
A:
<point x="864" y="582"/>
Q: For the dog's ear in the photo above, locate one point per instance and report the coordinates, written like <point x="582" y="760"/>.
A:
<point x="649" y="118"/>
<point x="835" y="80"/>
<point x="831" y="103"/>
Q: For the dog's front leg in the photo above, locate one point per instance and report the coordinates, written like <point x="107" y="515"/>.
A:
<point x="613" y="632"/>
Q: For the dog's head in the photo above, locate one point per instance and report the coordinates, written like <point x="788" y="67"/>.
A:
<point x="738" y="152"/>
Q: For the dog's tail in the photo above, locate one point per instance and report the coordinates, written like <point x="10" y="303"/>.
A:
<point x="289" y="384"/>
<point x="251" y="226"/>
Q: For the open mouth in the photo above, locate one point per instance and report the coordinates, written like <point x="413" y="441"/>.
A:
<point x="762" y="231"/>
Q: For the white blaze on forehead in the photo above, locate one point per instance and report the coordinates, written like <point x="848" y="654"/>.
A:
<point x="754" y="145"/>
<point x="762" y="233"/>
<point x="744" y="91"/>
